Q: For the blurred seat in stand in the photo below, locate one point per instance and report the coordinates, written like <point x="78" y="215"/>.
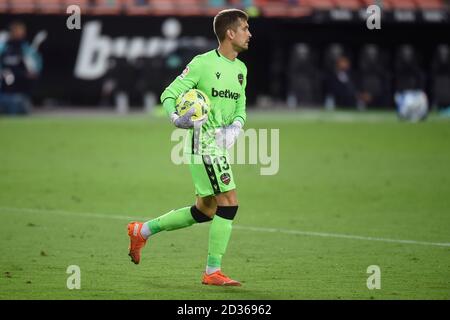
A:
<point x="303" y="77"/>
<point x="440" y="77"/>
<point x="373" y="77"/>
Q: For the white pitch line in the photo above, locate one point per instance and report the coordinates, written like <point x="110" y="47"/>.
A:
<point x="342" y="236"/>
<point x="71" y="213"/>
<point x="239" y="227"/>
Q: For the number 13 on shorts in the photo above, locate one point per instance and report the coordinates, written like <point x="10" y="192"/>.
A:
<point x="211" y="174"/>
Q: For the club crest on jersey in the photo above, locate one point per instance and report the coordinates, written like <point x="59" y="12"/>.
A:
<point x="241" y="78"/>
<point x="225" y="178"/>
<point x="184" y="73"/>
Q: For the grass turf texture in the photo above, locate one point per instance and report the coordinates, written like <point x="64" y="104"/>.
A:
<point x="68" y="186"/>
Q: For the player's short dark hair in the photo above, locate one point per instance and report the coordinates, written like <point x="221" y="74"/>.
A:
<point x="227" y="19"/>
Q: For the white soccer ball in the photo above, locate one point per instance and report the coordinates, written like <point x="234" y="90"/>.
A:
<point x="412" y="105"/>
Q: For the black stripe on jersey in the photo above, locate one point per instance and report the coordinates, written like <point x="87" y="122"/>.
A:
<point x="195" y="143"/>
<point x="167" y="98"/>
<point x="207" y="162"/>
<point x="217" y="52"/>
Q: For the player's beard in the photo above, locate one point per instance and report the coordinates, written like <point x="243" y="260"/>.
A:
<point x="240" y="49"/>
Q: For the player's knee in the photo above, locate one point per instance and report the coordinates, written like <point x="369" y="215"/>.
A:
<point x="227" y="199"/>
<point x="201" y="215"/>
<point x="229" y="202"/>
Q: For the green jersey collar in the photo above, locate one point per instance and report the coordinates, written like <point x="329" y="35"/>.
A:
<point x="225" y="58"/>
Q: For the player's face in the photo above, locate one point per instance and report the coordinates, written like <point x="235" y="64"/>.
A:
<point x="18" y="32"/>
<point x="242" y="36"/>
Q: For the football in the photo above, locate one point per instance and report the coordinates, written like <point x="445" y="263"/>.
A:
<point x="412" y="105"/>
<point x="193" y="98"/>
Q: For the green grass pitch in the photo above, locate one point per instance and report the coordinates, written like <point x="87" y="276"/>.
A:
<point x="349" y="187"/>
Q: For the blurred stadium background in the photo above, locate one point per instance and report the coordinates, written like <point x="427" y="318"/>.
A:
<point x="127" y="51"/>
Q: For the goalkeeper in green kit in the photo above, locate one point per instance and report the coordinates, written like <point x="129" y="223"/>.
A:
<point x="220" y="75"/>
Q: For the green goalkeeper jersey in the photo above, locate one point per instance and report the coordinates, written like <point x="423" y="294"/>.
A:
<point x="224" y="82"/>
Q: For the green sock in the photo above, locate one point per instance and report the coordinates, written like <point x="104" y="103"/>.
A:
<point x="219" y="234"/>
<point x="175" y="219"/>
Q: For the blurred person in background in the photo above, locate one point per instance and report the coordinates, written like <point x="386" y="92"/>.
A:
<point x="340" y="85"/>
<point x="20" y="65"/>
<point x="118" y="84"/>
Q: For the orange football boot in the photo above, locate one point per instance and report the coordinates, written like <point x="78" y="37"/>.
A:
<point x="219" y="279"/>
<point x="137" y="242"/>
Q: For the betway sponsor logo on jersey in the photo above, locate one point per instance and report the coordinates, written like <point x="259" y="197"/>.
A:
<point x="225" y="94"/>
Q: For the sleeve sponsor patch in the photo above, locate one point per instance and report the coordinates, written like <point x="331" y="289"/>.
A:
<point x="184" y="73"/>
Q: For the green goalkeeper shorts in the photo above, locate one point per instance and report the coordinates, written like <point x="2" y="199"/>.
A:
<point x="211" y="174"/>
